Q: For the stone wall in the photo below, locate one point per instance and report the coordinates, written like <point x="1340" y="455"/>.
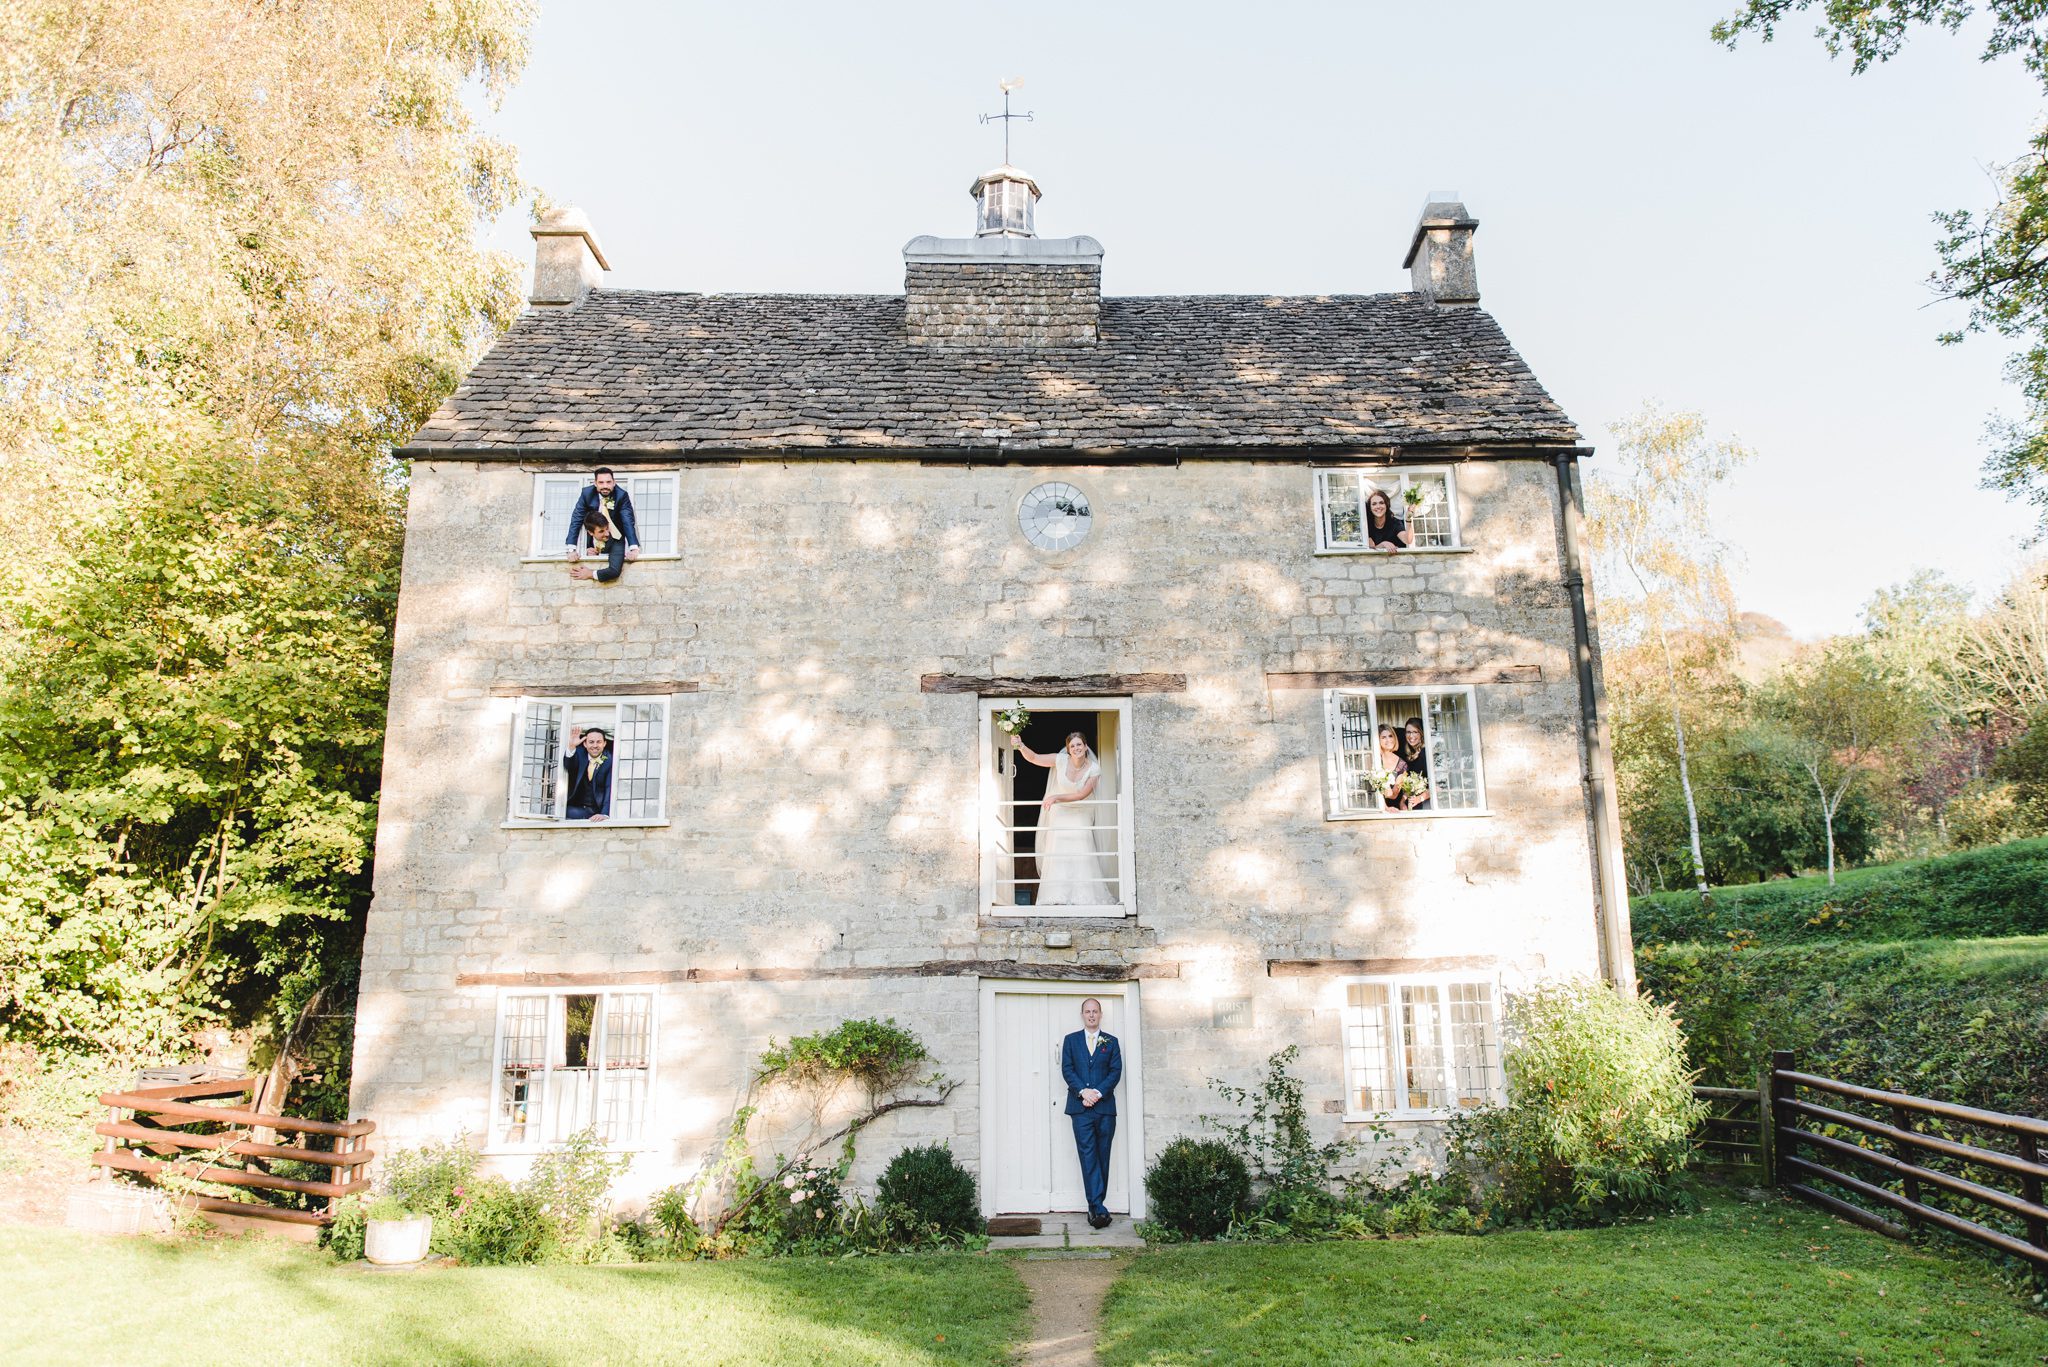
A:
<point x="822" y="808"/>
<point x="1002" y="303"/>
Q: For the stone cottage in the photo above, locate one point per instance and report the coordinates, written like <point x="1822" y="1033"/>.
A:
<point x="868" y="526"/>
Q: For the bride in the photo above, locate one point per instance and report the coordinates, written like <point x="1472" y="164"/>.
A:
<point x="1069" y="869"/>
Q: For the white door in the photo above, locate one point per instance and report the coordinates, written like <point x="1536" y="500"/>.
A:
<point x="1030" y="1165"/>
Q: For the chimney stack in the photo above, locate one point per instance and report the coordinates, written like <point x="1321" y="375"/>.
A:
<point x="567" y="262"/>
<point x="1439" y="257"/>
<point x="1005" y="286"/>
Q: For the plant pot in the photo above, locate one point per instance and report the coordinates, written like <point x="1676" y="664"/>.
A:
<point x="394" y="1243"/>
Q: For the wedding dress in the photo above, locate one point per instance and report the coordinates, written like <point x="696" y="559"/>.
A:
<point x="1070" y="870"/>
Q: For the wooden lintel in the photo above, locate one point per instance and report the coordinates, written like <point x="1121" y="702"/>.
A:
<point x="595" y="690"/>
<point x="1048" y="686"/>
<point x="1374" y="968"/>
<point x="1406" y="676"/>
<point x="931" y="968"/>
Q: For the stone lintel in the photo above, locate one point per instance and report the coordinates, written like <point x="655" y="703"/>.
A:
<point x="931" y="968"/>
<point x="1402" y="677"/>
<point x="657" y="688"/>
<point x="1051" y="686"/>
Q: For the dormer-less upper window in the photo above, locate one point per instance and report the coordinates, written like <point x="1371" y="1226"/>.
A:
<point x="654" y="511"/>
<point x="1420" y="511"/>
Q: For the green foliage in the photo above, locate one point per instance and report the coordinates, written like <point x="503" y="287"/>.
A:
<point x="388" y="1207"/>
<point x="929" y="1182"/>
<point x="348" y="1229"/>
<point x="1957" y="1020"/>
<point x="431" y="1180"/>
<point x="496" y="1223"/>
<point x="797" y="1214"/>
<point x="1600" y="1108"/>
<point x="1198" y="1187"/>
<point x="1273" y="1137"/>
<point x="573" y="1183"/>
<point x="1991" y="892"/>
<point x="877" y="1053"/>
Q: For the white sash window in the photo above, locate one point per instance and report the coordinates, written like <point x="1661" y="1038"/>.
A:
<point x="654" y="512"/>
<point x="544" y="728"/>
<point x="1359" y="777"/>
<point x="1020" y="863"/>
<point x="1420" y="1047"/>
<point x="573" y="1061"/>
<point x="1425" y="498"/>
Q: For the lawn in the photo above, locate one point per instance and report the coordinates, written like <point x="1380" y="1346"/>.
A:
<point x="76" y="1299"/>
<point x="1739" y="1283"/>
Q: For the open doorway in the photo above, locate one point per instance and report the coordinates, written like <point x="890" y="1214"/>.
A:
<point x="1084" y="868"/>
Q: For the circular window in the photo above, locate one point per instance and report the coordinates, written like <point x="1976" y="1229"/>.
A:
<point x="1055" y="517"/>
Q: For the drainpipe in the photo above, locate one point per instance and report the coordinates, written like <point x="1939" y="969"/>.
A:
<point x="1596" y="755"/>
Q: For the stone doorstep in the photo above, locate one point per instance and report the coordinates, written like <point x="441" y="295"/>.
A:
<point x="1063" y="1231"/>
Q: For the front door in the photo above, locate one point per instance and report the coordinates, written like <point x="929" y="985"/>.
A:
<point x="1029" y="1163"/>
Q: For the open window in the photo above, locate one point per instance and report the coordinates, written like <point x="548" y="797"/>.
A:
<point x="1422" y="500"/>
<point x="1067" y="858"/>
<point x="573" y="1061"/>
<point x="545" y="729"/>
<point x="654" y="512"/>
<point x="1432" y="767"/>
<point x="1421" y="1046"/>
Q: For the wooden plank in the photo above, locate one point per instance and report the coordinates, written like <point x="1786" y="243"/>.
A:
<point x="192" y="1091"/>
<point x="933" y="968"/>
<point x="1052" y="686"/>
<point x="248" y="1148"/>
<point x="1404" y="676"/>
<point x="1948" y="1110"/>
<point x="596" y="690"/>
<point x="1912" y="1175"/>
<point x="1934" y="1215"/>
<point x="1726" y="1093"/>
<point x="129" y="1161"/>
<point x="1854" y="1214"/>
<point x="1968" y="1153"/>
<point x="255" y="1212"/>
<point x="1315" y="968"/>
<point x="229" y="1115"/>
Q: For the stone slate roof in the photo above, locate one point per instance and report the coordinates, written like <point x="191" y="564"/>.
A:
<point x="638" y="370"/>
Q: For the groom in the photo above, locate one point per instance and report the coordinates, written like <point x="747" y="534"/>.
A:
<point x="1093" y="1064"/>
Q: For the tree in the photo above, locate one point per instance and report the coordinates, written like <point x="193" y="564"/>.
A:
<point x="1835" y="716"/>
<point x="238" y="264"/>
<point x="2003" y="653"/>
<point x="1649" y="525"/>
<point x="1995" y="261"/>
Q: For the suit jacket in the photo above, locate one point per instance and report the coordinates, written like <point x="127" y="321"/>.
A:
<point x="591" y="501"/>
<point x="599" y="794"/>
<point x="1103" y="1070"/>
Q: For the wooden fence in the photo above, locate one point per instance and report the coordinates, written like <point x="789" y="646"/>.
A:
<point x="1917" y="1163"/>
<point x="169" y="1133"/>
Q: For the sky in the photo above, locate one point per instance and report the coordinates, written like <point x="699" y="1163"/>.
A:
<point x="1746" y="234"/>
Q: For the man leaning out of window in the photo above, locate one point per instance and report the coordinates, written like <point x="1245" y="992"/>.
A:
<point x="612" y="549"/>
<point x="589" y="767"/>
<point x="604" y="498"/>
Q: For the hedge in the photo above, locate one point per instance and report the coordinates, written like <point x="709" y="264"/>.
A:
<point x="1957" y="1020"/>
<point x="1998" y="891"/>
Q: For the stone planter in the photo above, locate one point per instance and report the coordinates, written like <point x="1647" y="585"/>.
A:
<point x="394" y="1243"/>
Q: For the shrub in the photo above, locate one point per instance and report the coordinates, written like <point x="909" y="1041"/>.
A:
<point x="930" y="1183"/>
<point x="573" y="1185"/>
<point x="880" y="1054"/>
<point x="796" y="1214"/>
<point x="498" y="1223"/>
<point x="388" y="1208"/>
<point x="1991" y="892"/>
<point x="1198" y="1187"/>
<point x="347" y="1231"/>
<point x="1600" y="1107"/>
<point x="1274" y="1138"/>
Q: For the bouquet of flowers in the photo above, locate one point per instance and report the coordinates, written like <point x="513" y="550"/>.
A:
<point x="1013" y="720"/>
<point x="1418" y="497"/>
<point x="1385" y="784"/>
<point x="1410" y="785"/>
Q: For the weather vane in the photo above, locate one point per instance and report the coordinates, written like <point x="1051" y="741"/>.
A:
<point x="1012" y="83"/>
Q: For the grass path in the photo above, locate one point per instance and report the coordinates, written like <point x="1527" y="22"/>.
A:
<point x="1066" y="1307"/>
<point x="1737" y="1284"/>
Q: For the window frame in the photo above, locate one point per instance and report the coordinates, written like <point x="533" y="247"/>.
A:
<point x="536" y="553"/>
<point x="1335" y="790"/>
<point x="1491" y="1057"/>
<point x="1401" y="474"/>
<point x="646" y="1142"/>
<point x="992" y="853"/>
<point x="515" y="820"/>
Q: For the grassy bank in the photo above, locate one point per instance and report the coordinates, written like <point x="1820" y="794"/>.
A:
<point x="75" y="1299"/>
<point x="1736" y="1284"/>
<point x="1978" y="893"/>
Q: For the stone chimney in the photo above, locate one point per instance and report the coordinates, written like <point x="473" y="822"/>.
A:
<point x="1439" y="258"/>
<point x="1005" y="286"/>
<point x="567" y="262"/>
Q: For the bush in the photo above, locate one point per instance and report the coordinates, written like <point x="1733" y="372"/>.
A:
<point x="347" y="1231"/>
<point x="1600" y="1108"/>
<point x="1274" y="1138"/>
<point x="1198" y="1187"/>
<point x="1992" y="892"/>
<point x="880" y="1054"/>
<point x="929" y="1182"/>
<point x="573" y="1186"/>
<point x="798" y="1213"/>
<point x="1957" y="1020"/>
<point x="497" y="1223"/>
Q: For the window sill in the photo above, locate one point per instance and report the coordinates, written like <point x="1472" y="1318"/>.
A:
<point x="1411" y="550"/>
<point x="1383" y="1117"/>
<point x="608" y="824"/>
<point x="560" y="559"/>
<point x="535" y="1150"/>
<point x="1408" y="816"/>
<point x="1014" y="913"/>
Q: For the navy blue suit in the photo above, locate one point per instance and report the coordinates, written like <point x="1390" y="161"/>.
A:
<point x="588" y="798"/>
<point x="1094" y="1126"/>
<point x="591" y="501"/>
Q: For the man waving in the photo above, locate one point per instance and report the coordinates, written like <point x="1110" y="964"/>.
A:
<point x="1092" y="1062"/>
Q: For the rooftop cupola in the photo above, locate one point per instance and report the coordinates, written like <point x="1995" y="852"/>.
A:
<point x="1004" y="199"/>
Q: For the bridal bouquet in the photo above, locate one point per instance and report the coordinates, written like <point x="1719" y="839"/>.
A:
<point x="1013" y="720"/>
<point x="1410" y="785"/>
<point x="1418" y="497"/>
